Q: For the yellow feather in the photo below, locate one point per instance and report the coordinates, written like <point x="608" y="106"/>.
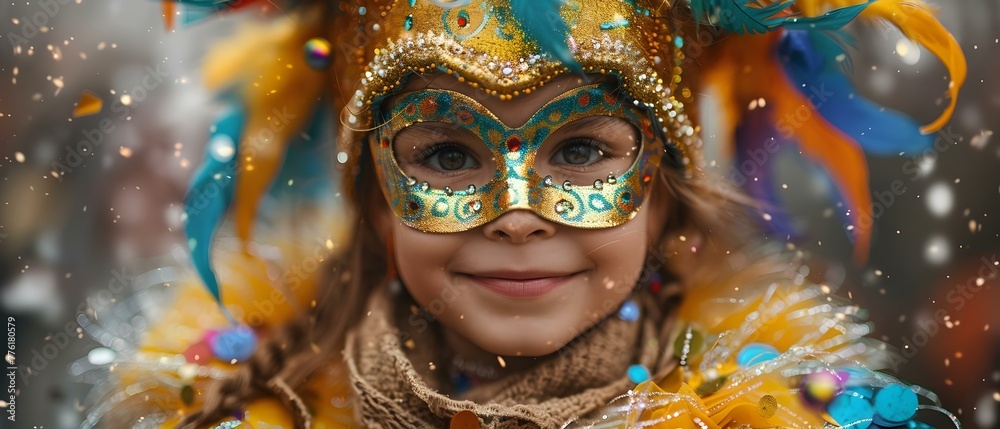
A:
<point x="266" y="65"/>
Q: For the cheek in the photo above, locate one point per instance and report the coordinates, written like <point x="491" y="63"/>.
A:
<point x="618" y="255"/>
<point x="421" y="258"/>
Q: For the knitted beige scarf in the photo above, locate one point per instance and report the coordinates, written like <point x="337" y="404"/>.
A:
<point x="397" y="386"/>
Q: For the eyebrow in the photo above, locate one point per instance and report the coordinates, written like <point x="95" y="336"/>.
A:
<point x="424" y="130"/>
<point x="590" y="123"/>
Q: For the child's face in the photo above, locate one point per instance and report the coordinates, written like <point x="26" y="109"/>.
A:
<point x="521" y="284"/>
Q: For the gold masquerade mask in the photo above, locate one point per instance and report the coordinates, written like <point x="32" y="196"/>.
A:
<point x="571" y="187"/>
<point x="481" y="43"/>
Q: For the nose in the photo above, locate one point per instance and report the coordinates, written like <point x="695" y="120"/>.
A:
<point x="518" y="227"/>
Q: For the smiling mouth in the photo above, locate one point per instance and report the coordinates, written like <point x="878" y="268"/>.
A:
<point x="520" y="285"/>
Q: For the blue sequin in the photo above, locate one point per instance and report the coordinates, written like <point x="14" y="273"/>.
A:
<point x="234" y="343"/>
<point x="629" y="311"/>
<point x="408" y="22"/>
<point x="851" y="411"/>
<point x="638" y="373"/>
<point x="614" y="24"/>
<point x="755" y="353"/>
<point x="895" y="405"/>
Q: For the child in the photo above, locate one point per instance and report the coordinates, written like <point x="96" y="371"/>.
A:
<point x="535" y="241"/>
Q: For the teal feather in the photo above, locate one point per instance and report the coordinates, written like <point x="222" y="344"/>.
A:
<point x="542" y="23"/>
<point x="755" y="17"/>
<point x="211" y="193"/>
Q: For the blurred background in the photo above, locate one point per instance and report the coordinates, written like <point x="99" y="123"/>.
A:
<point x="81" y="220"/>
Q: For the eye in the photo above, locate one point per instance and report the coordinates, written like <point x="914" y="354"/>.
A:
<point x="579" y="152"/>
<point x="447" y="157"/>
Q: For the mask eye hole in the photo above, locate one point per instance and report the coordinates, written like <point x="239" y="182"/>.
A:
<point x="589" y="149"/>
<point x="443" y="155"/>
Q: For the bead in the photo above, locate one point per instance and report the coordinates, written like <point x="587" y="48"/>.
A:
<point x="563" y="206"/>
<point x="567" y="185"/>
<point x="612" y="179"/>
<point x="863" y="392"/>
<point x="895" y="404"/>
<point x="425" y="186"/>
<point x="187" y="372"/>
<point x="638" y="373"/>
<point x="767" y="406"/>
<point x="755" y="353"/>
<point x="317" y="52"/>
<point x="688" y="343"/>
<point x="472" y="189"/>
<point x="711" y="386"/>
<point x="477" y="206"/>
<point x="851" y="411"/>
<point x="187" y="395"/>
<point x="818" y="389"/>
<point x="464" y="419"/>
<point x="629" y="311"/>
<point x="235" y="343"/>
<point x="598" y="184"/>
<point x="547" y="180"/>
<point x="101" y="356"/>
<point x="448" y="191"/>
<point x="198" y="352"/>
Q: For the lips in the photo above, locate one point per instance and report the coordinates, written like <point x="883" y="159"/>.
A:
<point x="520" y="284"/>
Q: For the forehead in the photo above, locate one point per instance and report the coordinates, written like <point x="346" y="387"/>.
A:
<point x="513" y="112"/>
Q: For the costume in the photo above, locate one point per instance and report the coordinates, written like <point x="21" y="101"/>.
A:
<point x="763" y="347"/>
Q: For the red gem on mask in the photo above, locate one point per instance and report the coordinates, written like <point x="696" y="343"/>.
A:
<point x="513" y="144"/>
<point x="462" y="21"/>
<point x="583" y="100"/>
<point x="384" y="143"/>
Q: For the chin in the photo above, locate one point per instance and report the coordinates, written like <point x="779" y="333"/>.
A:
<point x="512" y="342"/>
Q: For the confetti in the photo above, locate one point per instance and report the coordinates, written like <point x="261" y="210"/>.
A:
<point x="125" y="152"/>
<point x="940" y="199"/>
<point x="19" y="157"/>
<point x="88" y="104"/>
<point x="980" y="140"/>
<point x="58" y="82"/>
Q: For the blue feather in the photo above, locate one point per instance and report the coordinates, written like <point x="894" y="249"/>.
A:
<point x="755" y="170"/>
<point x="306" y="161"/>
<point x="810" y="63"/>
<point x="542" y="23"/>
<point x="211" y="193"/>
<point x="754" y="17"/>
